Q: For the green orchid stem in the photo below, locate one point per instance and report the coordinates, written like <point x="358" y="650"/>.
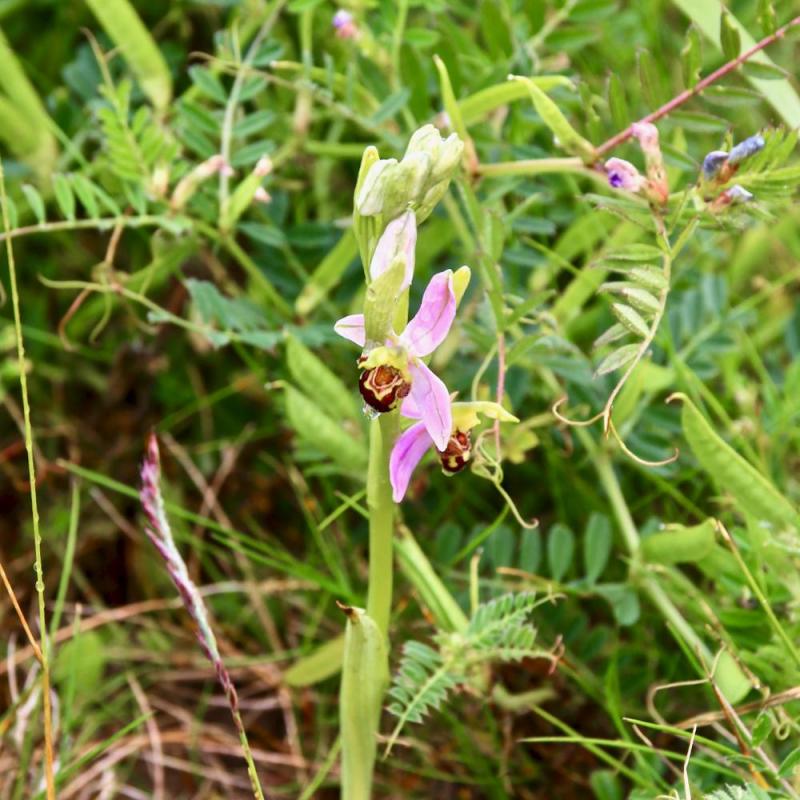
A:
<point x="369" y="666"/>
<point x="381" y="519"/>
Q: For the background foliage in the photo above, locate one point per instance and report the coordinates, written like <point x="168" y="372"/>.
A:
<point x="210" y="321"/>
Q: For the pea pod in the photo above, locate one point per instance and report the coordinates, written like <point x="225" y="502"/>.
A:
<point x="754" y="494"/>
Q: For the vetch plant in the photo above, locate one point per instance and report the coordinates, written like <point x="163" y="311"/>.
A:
<point x="646" y="271"/>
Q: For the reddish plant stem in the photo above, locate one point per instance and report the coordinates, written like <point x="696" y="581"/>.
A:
<point x="688" y="94"/>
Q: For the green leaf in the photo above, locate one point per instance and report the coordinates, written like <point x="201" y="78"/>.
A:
<point x="617" y="103"/>
<point x="597" y="542"/>
<point x="762" y="728"/>
<point x="126" y="30"/>
<point x="208" y="83"/>
<point x="649" y="79"/>
<point x="35" y="201"/>
<point x="634" y="252"/>
<point x="449" y="101"/>
<point x="631" y="319"/>
<point x="365" y="675"/>
<point x="730" y="679"/>
<point x="476" y="106"/>
<point x="679" y="544"/>
<point x="764" y="72"/>
<point x="84" y="189"/>
<point x="327" y="274"/>
<point x="24" y="122"/>
<point x="779" y="94"/>
<point x="617" y="358"/>
<point x="567" y="137"/>
<point x="64" y="196"/>
<point x="313" y="425"/>
<point x="766" y="17"/>
<point x="322" y="663"/>
<point x="729" y="36"/>
<point x="789" y="766"/>
<point x="751" y="491"/>
<point x="318" y="381"/>
<point x="606" y="785"/>
<point x="560" y="550"/>
<point x="691" y="57"/>
<point x="623" y="600"/>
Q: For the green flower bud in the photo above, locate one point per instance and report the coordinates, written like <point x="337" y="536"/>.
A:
<point x="450" y="156"/>
<point x="371" y="196"/>
<point x="405" y="184"/>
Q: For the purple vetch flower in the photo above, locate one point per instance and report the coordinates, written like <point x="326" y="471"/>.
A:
<point x="623" y="175"/>
<point x="655" y="187"/>
<point x="394" y="370"/>
<point x="414" y="442"/>
<point x="344" y="24"/>
<point x="749" y="147"/>
<point x="734" y="195"/>
<point x="738" y="194"/>
<point x="647" y="134"/>
<point x="713" y="163"/>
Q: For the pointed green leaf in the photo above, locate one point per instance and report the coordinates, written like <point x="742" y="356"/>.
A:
<point x="618" y="358"/>
<point x="751" y="491"/>
<point x="679" y="544"/>
<point x="567" y="137"/>
<point x="691" y="57"/>
<point x="729" y="36"/>
<point x="560" y="550"/>
<point x="316" y="379"/>
<point x="127" y="31"/>
<point x="631" y="319"/>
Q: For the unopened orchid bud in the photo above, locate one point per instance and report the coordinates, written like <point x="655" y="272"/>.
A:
<point x="749" y="147"/>
<point x="713" y="163"/>
<point x="344" y="24"/>
<point x="623" y="175"/>
<point x="399" y="240"/>
<point x="405" y="183"/>
<point x="426" y="139"/>
<point x="370" y="198"/>
<point x="450" y="156"/>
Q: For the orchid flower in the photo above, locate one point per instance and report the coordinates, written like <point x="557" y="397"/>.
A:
<point x="395" y="369"/>
<point x="413" y="443"/>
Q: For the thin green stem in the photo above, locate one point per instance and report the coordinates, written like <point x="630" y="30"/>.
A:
<point x="81" y="224"/>
<point x="534" y="166"/>
<point x="381" y="520"/>
<point x="37" y="536"/>
<point x="226" y="138"/>
<point x="630" y="535"/>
